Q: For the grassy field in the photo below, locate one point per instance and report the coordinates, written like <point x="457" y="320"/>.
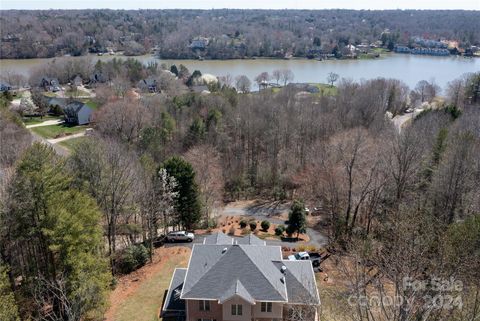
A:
<point x="76" y="93"/>
<point x="55" y="131"/>
<point x="70" y="143"/>
<point x="326" y="90"/>
<point x="380" y="50"/>
<point x="90" y="103"/>
<point x="139" y="295"/>
<point x="38" y="120"/>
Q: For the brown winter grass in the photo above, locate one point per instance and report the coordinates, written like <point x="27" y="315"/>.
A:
<point x="139" y="295"/>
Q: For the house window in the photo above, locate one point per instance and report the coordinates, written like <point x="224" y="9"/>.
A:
<point x="236" y="309"/>
<point x="204" y="305"/>
<point x="266" y="307"/>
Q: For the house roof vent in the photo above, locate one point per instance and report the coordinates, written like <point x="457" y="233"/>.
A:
<point x="283" y="269"/>
<point x="282" y="279"/>
<point x="224" y="250"/>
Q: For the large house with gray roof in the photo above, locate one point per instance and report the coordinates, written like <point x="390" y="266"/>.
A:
<point x="240" y="279"/>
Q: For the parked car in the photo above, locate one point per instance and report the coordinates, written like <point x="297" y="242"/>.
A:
<point x="315" y="258"/>
<point x="180" y="236"/>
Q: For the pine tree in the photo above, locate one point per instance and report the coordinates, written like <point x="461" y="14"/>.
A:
<point x="187" y="202"/>
<point x="297" y="221"/>
<point x="59" y="228"/>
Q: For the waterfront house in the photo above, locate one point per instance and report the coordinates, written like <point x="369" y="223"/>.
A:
<point x="199" y="43"/>
<point x="240" y="279"/>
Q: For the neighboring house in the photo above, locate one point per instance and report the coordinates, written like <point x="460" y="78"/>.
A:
<point x="77" y="81"/>
<point x="56" y="104"/>
<point x="148" y="85"/>
<point x="240" y="279"/>
<point x="50" y="84"/>
<point x="200" y="89"/>
<point x="97" y="77"/>
<point x="199" y="43"/>
<point x="77" y="113"/>
<point x="5" y="87"/>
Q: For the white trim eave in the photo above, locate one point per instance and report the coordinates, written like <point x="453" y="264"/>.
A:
<point x="186" y="274"/>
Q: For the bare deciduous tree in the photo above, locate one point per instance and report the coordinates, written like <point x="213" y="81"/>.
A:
<point x="207" y="164"/>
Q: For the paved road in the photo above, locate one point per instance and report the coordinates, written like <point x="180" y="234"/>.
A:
<point x="401" y="121"/>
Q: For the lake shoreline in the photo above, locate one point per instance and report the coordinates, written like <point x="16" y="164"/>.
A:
<point x="407" y="68"/>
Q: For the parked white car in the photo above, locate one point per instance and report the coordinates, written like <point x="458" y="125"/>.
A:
<point x="180" y="236"/>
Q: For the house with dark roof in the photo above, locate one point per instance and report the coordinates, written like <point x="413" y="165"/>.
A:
<point x="148" y="85"/>
<point x="97" y="77"/>
<point x="77" y="113"/>
<point x="199" y="89"/>
<point x="199" y="43"/>
<point x="240" y="279"/>
<point x="77" y="81"/>
<point x="5" y="87"/>
<point x="50" y="84"/>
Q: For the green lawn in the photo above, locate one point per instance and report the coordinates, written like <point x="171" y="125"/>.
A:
<point x="326" y="90"/>
<point x="55" y="131"/>
<point x="145" y="303"/>
<point x="380" y="50"/>
<point x="92" y="104"/>
<point x="71" y="143"/>
<point x="38" y="120"/>
<point x="76" y="93"/>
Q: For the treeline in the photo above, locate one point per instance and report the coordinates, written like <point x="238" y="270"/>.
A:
<point x="230" y="33"/>
<point x="401" y="204"/>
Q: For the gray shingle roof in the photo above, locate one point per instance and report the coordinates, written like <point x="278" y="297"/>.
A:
<point x="248" y="269"/>
<point x="237" y="289"/>
<point x="251" y="239"/>
<point x="75" y="107"/>
<point x="300" y="281"/>
<point x="215" y="269"/>
<point x="218" y="238"/>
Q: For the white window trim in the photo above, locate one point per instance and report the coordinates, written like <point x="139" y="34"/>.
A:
<point x="235" y="308"/>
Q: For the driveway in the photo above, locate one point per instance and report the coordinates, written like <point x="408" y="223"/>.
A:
<point x="59" y="149"/>
<point x="401" y="121"/>
<point x="61" y="139"/>
<point x="46" y="123"/>
<point x="275" y="213"/>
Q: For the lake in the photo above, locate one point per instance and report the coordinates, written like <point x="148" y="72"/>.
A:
<point x="408" y="68"/>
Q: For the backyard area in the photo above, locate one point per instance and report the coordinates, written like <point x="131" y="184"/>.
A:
<point x="58" y="130"/>
<point x="38" y="120"/>
<point x="145" y="287"/>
